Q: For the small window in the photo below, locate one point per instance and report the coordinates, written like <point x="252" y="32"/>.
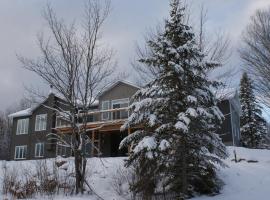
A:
<point x="60" y="122"/>
<point x="41" y="122"/>
<point x="105" y="106"/>
<point x="22" y="126"/>
<point x="39" y="150"/>
<point x="20" y="152"/>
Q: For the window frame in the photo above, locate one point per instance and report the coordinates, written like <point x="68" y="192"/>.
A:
<point x="41" y="151"/>
<point x="107" y="113"/>
<point x="24" y="152"/>
<point x="62" y="150"/>
<point x="38" y="125"/>
<point x="22" y="128"/>
<point x="121" y="102"/>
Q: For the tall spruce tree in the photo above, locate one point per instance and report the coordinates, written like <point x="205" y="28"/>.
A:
<point x="175" y="144"/>
<point x="253" y="125"/>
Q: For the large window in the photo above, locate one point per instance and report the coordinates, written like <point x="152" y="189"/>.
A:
<point x="39" y="150"/>
<point x="105" y="106"/>
<point x="20" y="152"/>
<point x="41" y="122"/>
<point x="22" y="126"/>
<point x="118" y="104"/>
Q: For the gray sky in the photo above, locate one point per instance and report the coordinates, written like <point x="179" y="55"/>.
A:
<point x="21" y="20"/>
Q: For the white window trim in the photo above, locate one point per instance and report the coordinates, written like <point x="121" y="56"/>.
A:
<point x="120" y="101"/>
<point x="102" y="116"/>
<point x="18" y="147"/>
<point x="64" y="150"/>
<point x="26" y="128"/>
<point x="62" y="117"/>
<point x="38" y="128"/>
<point x="42" y="145"/>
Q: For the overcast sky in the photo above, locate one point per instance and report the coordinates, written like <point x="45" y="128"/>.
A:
<point x="21" y="20"/>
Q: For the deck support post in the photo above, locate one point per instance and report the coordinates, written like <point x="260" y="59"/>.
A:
<point x="93" y="143"/>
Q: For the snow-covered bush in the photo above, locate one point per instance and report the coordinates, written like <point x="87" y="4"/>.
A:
<point x="121" y="180"/>
<point x="46" y="178"/>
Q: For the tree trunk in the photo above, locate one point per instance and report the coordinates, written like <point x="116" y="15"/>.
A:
<point x="78" y="171"/>
<point x="184" y="169"/>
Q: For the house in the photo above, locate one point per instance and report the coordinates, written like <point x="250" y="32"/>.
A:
<point x="229" y="104"/>
<point x="107" y="115"/>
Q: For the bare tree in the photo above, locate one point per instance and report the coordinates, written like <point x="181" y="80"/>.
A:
<point x="216" y="48"/>
<point x="76" y="64"/>
<point x="255" y="52"/>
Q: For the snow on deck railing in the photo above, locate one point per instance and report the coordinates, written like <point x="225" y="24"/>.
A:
<point x="99" y="116"/>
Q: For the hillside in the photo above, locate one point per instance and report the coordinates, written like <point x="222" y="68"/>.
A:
<point x="243" y="180"/>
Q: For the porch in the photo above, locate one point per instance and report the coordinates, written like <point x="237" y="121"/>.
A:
<point x="103" y="130"/>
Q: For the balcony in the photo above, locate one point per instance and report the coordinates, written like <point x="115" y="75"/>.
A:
<point x="110" y="119"/>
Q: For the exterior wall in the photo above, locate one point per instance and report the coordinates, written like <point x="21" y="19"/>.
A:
<point x="225" y="130"/>
<point x="235" y="123"/>
<point x="230" y="128"/>
<point x="33" y="136"/>
<point x="119" y="91"/>
<point x="18" y="140"/>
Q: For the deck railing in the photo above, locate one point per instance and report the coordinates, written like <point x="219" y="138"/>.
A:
<point x="101" y="116"/>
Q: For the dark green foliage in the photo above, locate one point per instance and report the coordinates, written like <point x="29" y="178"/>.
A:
<point x="253" y="125"/>
<point x="175" y="147"/>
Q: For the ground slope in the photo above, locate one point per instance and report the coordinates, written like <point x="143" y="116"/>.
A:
<point x="243" y="180"/>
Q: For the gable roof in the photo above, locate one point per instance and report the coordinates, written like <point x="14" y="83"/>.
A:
<point x="226" y="93"/>
<point x="230" y="94"/>
<point x="109" y="87"/>
<point x="28" y="111"/>
<point x="21" y="113"/>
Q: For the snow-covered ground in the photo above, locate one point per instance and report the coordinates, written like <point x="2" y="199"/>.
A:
<point x="243" y="180"/>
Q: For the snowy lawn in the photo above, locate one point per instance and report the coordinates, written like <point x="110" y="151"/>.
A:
<point x="244" y="181"/>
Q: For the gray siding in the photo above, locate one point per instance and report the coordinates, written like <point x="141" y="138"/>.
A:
<point x="33" y="136"/>
<point x="119" y="91"/>
<point x="230" y="128"/>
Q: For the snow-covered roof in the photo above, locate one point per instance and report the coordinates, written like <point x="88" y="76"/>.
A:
<point x="28" y="111"/>
<point x="226" y="93"/>
<point x="109" y="87"/>
<point x="22" y="113"/>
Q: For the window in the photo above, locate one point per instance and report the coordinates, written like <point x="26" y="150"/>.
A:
<point x="60" y="122"/>
<point x="62" y="119"/>
<point x="41" y="122"/>
<point x="62" y="150"/>
<point x="120" y="103"/>
<point x="105" y="106"/>
<point x="20" y="152"/>
<point x="22" y="126"/>
<point x="39" y="150"/>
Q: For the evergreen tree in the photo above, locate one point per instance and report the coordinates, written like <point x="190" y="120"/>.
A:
<point x="175" y="144"/>
<point x="253" y="125"/>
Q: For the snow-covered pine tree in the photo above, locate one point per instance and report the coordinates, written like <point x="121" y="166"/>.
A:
<point x="175" y="144"/>
<point x="253" y="125"/>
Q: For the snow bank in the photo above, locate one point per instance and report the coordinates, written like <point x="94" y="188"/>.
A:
<point x="245" y="181"/>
